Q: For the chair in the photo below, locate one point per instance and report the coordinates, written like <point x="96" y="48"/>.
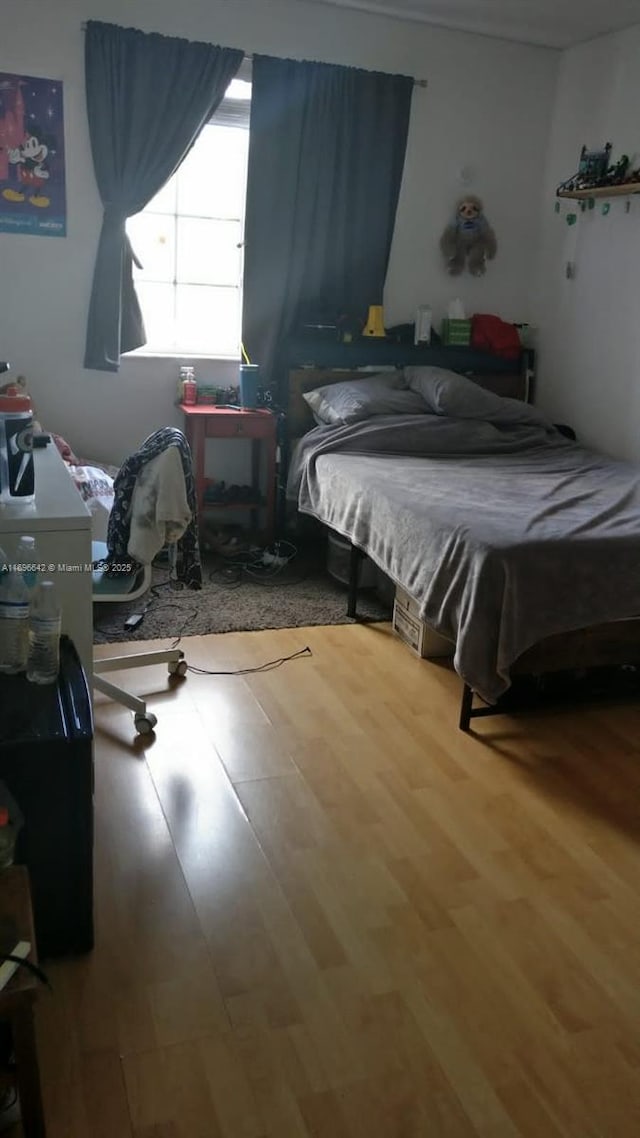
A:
<point x="118" y="590"/>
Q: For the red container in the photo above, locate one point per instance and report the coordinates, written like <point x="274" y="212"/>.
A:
<point x="189" y="391"/>
<point x="16" y="447"/>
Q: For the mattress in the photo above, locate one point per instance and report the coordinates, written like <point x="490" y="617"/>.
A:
<point x="503" y="535"/>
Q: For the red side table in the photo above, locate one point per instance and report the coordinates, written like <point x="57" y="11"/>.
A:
<point x="203" y="422"/>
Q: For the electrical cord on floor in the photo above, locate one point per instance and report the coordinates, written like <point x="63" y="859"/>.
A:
<point x="263" y="566"/>
<point x="29" y="966"/>
<point x="101" y="630"/>
<point x="276" y="581"/>
<point x="168" y="583"/>
<point x="193" y="613"/>
<point x="230" y="581"/>
<point x="231" y="576"/>
<point x="258" y="563"/>
<point x="143" y="608"/>
<point x="270" y="666"/>
<point x="134" y="620"/>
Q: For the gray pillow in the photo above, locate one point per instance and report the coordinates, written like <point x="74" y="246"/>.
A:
<point x="355" y="399"/>
<point x="448" y="393"/>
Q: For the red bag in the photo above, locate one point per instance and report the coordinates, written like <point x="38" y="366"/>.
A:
<point x="491" y="334"/>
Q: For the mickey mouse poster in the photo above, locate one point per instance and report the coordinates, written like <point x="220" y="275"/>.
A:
<point x="32" y="175"/>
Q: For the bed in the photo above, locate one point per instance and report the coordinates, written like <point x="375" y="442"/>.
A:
<point x="519" y="545"/>
<point x="94" y="482"/>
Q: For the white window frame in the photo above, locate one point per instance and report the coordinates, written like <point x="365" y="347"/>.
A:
<point x="232" y="112"/>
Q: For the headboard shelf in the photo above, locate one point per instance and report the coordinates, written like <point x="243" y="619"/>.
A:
<point x="312" y="351"/>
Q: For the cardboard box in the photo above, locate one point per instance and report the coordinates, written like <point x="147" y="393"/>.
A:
<point x="456" y="332"/>
<point x="417" y="635"/>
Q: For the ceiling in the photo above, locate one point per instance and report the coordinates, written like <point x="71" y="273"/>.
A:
<point x="550" y="23"/>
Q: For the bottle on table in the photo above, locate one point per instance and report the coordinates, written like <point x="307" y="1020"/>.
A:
<point x="189" y="385"/>
<point x="27" y="561"/>
<point x="182" y="375"/>
<point x="45" y="620"/>
<point x="14" y="618"/>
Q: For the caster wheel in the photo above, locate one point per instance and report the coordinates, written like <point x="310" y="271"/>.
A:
<point x="145" y="723"/>
<point x="177" y="667"/>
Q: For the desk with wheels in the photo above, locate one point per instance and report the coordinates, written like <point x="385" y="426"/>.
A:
<point x="116" y="589"/>
<point x="60" y="522"/>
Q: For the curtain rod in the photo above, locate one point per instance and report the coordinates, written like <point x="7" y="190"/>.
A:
<point x="416" y="82"/>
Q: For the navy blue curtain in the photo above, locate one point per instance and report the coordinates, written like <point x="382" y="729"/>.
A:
<point x="148" y="97"/>
<point x="326" y="155"/>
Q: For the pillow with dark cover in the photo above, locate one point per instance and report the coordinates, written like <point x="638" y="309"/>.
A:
<point x="448" y="393"/>
<point x="352" y="400"/>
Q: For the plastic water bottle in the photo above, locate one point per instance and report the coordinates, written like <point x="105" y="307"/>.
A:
<point x="43" y="661"/>
<point x="26" y="562"/>
<point x="14" y="619"/>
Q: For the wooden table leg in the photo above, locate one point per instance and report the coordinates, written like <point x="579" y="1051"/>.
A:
<point x="255" y="480"/>
<point x="28" y="1072"/>
<point x="270" y="492"/>
<point x="199" y="438"/>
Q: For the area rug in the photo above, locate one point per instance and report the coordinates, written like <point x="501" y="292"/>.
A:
<point x="238" y="596"/>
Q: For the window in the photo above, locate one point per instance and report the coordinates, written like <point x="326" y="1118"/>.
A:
<point x="189" y="240"/>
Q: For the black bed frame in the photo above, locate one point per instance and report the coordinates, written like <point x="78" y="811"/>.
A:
<point x="610" y="645"/>
<point x="356" y="557"/>
<point x="467" y="710"/>
<point x="605" y="646"/>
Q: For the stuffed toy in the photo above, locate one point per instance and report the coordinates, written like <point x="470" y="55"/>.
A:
<point x="468" y="239"/>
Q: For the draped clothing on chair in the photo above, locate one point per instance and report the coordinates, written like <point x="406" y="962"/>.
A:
<point x="137" y="532"/>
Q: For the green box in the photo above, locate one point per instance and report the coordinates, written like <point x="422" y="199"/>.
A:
<point x="455" y="331"/>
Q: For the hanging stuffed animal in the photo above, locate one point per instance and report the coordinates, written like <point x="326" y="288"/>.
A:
<point x="468" y="239"/>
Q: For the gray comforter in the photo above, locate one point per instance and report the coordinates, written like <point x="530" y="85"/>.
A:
<point x="504" y="532"/>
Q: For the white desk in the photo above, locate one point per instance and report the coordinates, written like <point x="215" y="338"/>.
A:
<point x="61" y="525"/>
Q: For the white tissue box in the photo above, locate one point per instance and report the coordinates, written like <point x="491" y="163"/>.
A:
<point x="423" y="325"/>
<point x="420" y="637"/>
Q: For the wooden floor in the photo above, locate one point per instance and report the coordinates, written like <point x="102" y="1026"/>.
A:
<point x="323" y="912"/>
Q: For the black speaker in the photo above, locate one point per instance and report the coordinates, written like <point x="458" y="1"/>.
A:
<point x="46" y="761"/>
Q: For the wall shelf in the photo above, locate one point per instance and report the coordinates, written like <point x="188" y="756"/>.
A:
<point x="620" y="191"/>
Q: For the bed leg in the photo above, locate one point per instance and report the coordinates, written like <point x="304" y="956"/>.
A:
<point x="466" y="704"/>
<point x="355" y="557"/>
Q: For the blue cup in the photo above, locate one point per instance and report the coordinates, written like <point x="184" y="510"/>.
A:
<point x="249" y="377"/>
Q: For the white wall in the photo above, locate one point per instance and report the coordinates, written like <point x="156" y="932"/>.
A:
<point x="590" y="325"/>
<point x="487" y="107"/>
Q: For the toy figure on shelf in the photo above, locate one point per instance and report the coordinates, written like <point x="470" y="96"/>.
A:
<point x="592" y="169"/>
<point x="469" y="239"/>
<point x="616" y="175"/>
